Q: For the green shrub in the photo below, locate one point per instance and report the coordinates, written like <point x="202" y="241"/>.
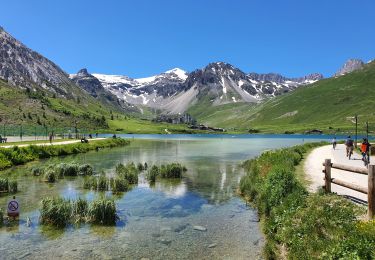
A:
<point x="4" y="161"/>
<point x="50" y="176"/>
<point x="120" y="185"/>
<point x="327" y="223"/>
<point x="85" y="169"/>
<point x="314" y="226"/>
<point x="55" y="212"/>
<point x="278" y="184"/>
<point x="102" y="211"/>
<point x="153" y="173"/>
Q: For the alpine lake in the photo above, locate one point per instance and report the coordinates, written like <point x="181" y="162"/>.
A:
<point x="200" y="216"/>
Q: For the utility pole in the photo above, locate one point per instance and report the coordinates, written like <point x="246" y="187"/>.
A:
<point x="356" y="130"/>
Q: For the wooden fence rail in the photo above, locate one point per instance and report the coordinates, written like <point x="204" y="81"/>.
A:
<point x="370" y="190"/>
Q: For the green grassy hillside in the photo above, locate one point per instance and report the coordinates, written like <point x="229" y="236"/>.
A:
<point x="38" y="111"/>
<point x="328" y="105"/>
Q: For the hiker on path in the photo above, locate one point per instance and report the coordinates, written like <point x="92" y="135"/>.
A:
<point x="365" y="149"/>
<point x="349" y="143"/>
<point x="334" y="142"/>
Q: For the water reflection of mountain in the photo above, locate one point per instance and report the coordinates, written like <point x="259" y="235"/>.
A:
<point x="216" y="183"/>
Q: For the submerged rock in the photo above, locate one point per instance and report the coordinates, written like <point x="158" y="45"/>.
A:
<point x="200" y="228"/>
<point x="212" y="245"/>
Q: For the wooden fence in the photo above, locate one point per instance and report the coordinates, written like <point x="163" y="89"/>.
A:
<point x="369" y="190"/>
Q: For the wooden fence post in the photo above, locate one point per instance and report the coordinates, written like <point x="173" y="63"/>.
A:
<point x="371" y="191"/>
<point x="327" y="175"/>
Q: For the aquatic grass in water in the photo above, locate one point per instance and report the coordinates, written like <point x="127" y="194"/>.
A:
<point x="140" y="167"/>
<point x="79" y="210"/>
<point x="119" y="185"/>
<point x="129" y="172"/>
<point x="37" y="171"/>
<point x="153" y="173"/>
<point x="67" y="169"/>
<point x="7" y="185"/>
<point x="13" y="186"/>
<point x="60" y="212"/>
<point x="55" y="212"/>
<point x="102" y="211"/>
<point x="85" y="169"/>
<point x="90" y="183"/>
<point x="173" y="170"/>
<point x="50" y="176"/>
<point x="4" y="184"/>
<point x="102" y="183"/>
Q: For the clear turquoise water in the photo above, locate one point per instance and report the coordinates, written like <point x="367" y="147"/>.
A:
<point x="156" y="222"/>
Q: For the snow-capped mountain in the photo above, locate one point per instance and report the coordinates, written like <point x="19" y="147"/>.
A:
<point x="174" y="91"/>
<point x="156" y="91"/>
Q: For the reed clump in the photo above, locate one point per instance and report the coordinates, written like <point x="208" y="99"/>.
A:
<point x="60" y="212"/>
<point x="128" y="172"/>
<point x="8" y="186"/>
<point x="102" y="211"/>
<point x="120" y="185"/>
<point x="153" y="173"/>
<point x="172" y="170"/>
<point x="85" y="170"/>
<point x="55" y="212"/>
<point x="50" y="176"/>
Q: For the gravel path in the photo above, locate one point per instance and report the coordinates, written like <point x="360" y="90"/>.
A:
<point x="46" y="143"/>
<point x="313" y="169"/>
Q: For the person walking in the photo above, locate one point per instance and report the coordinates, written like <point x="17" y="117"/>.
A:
<point x="50" y="138"/>
<point x="365" y="149"/>
<point x="349" y="143"/>
<point x="334" y="142"/>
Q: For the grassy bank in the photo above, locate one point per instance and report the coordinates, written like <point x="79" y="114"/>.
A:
<point x="20" y="155"/>
<point x="299" y="225"/>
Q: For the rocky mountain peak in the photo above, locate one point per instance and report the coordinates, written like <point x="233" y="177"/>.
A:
<point x="349" y="66"/>
<point x="83" y="72"/>
<point x="23" y="67"/>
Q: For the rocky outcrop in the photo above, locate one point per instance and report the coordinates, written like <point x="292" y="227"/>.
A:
<point x="350" y="66"/>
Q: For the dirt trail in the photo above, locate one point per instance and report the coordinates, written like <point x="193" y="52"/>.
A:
<point x="313" y="169"/>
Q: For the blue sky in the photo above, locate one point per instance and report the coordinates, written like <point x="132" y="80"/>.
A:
<point x="145" y="37"/>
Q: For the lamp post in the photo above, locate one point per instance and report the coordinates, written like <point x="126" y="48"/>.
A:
<point x="75" y="129"/>
<point x="356" y="130"/>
